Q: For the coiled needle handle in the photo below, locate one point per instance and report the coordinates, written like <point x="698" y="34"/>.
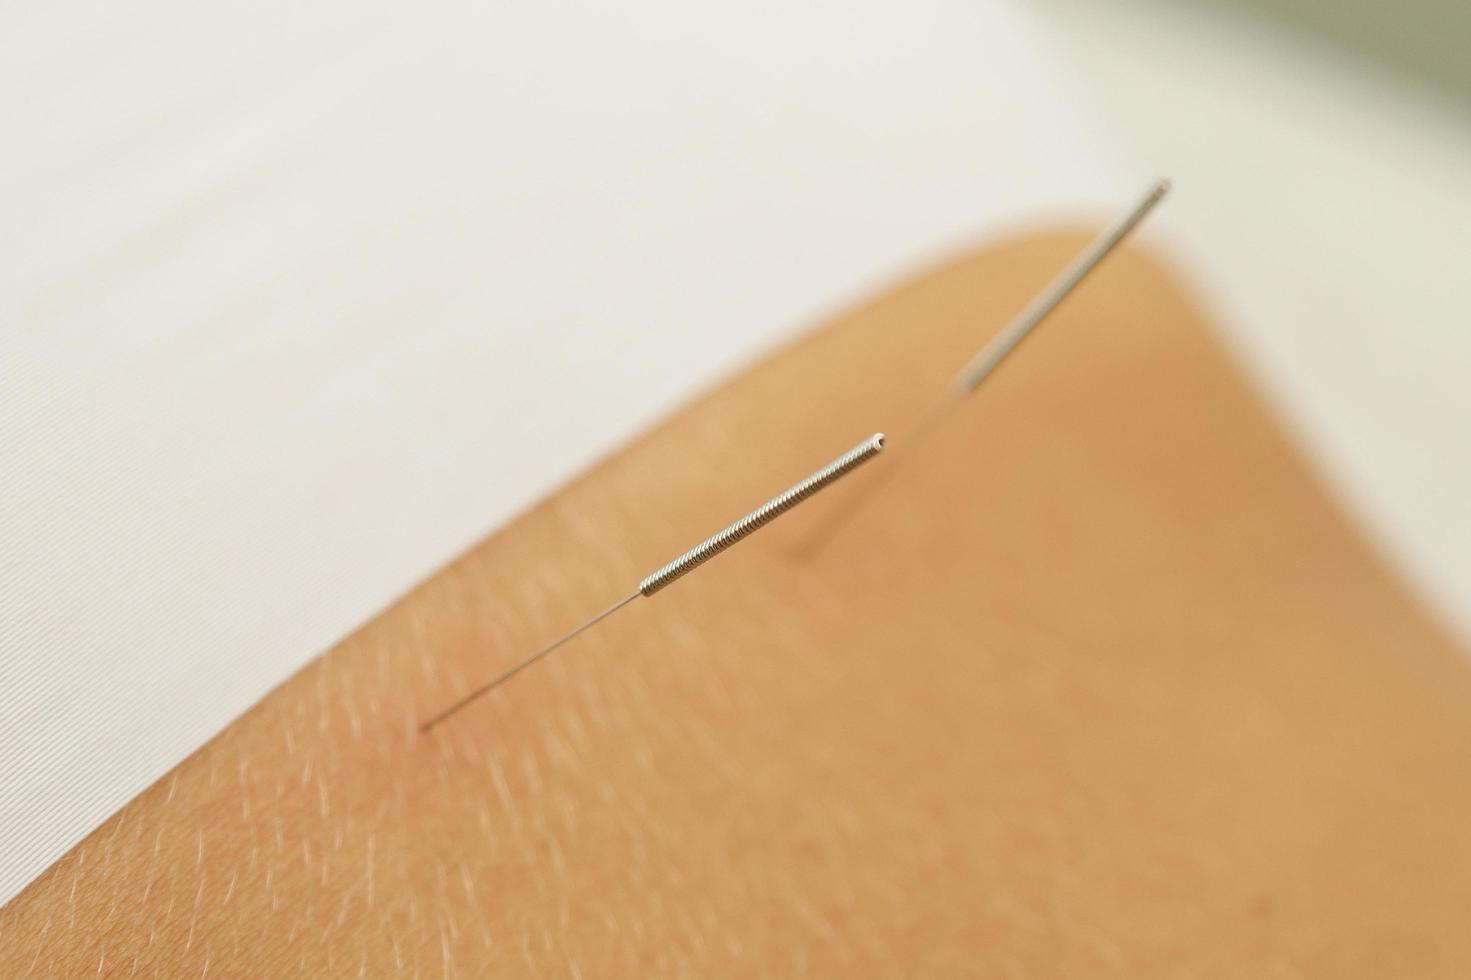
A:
<point x="687" y="562"/>
<point x="763" y="515"/>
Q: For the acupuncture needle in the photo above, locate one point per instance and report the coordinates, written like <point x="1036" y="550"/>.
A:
<point x="688" y="561"/>
<point x="984" y="364"/>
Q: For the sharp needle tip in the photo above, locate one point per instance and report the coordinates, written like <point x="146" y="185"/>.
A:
<point x="696" y="556"/>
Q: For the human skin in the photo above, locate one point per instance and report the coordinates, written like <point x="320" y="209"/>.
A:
<point x="1094" y="681"/>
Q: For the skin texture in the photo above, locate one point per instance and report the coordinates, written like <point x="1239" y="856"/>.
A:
<point x="1093" y="681"/>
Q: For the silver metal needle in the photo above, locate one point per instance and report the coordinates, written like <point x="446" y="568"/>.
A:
<point x="501" y="679"/>
<point x="991" y="356"/>
<point x="687" y="562"/>
<point x="980" y="367"/>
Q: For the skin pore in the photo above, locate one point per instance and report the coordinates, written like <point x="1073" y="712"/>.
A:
<point x="1097" y="681"/>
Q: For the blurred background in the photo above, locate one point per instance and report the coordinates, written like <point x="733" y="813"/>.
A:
<point x="298" y="300"/>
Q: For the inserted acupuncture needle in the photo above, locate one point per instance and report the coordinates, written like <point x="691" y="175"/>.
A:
<point x="687" y="562"/>
<point x="990" y="357"/>
<point x="1011" y="336"/>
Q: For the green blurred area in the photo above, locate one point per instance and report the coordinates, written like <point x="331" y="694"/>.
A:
<point x="1426" y="42"/>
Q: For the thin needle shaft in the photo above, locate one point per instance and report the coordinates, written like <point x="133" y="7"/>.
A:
<point x="990" y="357"/>
<point x="502" y="678"/>
<point x="687" y="562"/>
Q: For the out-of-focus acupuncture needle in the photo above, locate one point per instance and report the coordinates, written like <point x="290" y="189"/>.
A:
<point x="983" y="365"/>
<point x="667" y="573"/>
